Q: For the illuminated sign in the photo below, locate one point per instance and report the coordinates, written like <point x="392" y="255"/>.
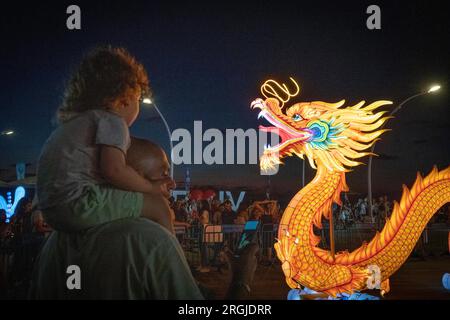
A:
<point x="8" y="204"/>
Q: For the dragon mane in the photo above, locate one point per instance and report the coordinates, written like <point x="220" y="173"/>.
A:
<point x="348" y="132"/>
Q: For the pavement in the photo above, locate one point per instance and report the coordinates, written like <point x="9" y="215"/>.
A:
<point x="417" y="279"/>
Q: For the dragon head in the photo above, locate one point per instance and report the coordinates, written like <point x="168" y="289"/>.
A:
<point x="326" y="133"/>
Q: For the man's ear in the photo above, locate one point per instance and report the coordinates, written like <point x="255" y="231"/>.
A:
<point x="140" y="171"/>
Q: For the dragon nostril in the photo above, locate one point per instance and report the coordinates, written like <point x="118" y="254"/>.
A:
<point x="315" y="131"/>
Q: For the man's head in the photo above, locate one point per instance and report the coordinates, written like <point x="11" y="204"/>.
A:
<point x="150" y="161"/>
<point x="25" y="205"/>
<point x="227" y="205"/>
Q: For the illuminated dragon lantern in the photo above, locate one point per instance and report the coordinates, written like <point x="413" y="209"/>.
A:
<point x="331" y="137"/>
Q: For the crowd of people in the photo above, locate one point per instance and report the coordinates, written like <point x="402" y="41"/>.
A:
<point x="190" y="212"/>
<point x="193" y="213"/>
<point x="194" y="216"/>
<point x="351" y="213"/>
<point x="356" y="212"/>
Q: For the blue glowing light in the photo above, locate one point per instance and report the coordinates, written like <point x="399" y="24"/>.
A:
<point x="8" y="205"/>
<point x="294" y="294"/>
<point x="446" y="281"/>
<point x="324" y="134"/>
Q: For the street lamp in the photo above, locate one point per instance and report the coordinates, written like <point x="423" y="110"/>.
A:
<point x="432" y="89"/>
<point x="7" y="133"/>
<point x="149" y="101"/>
<point x="303" y="172"/>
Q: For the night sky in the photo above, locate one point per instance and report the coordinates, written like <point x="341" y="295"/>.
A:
<point x="206" y="61"/>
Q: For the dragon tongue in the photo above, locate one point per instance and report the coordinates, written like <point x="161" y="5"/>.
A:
<point x="283" y="135"/>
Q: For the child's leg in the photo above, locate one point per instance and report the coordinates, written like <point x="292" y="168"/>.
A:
<point x="102" y="204"/>
<point x="97" y="205"/>
<point x="157" y="208"/>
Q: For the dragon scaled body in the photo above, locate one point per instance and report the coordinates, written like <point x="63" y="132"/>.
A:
<point x="332" y="138"/>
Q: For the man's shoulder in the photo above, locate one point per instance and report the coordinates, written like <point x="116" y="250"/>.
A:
<point x="136" y="236"/>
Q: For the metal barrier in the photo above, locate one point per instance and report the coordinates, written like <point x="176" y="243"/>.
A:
<point x="205" y="243"/>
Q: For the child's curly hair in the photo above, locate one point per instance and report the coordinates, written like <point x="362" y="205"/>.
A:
<point x="103" y="76"/>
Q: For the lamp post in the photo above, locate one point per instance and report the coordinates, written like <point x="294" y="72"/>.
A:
<point x="432" y="89"/>
<point x="148" y="101"/>
<point x="303" y="172"/>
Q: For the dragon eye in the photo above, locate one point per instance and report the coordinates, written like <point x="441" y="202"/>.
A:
<point x="297" y="117"/>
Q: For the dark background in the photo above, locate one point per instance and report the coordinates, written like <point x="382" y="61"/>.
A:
<point x="207" y="60"/>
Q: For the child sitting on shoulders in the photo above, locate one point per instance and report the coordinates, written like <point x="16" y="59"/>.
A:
<point x="83" y="178"/>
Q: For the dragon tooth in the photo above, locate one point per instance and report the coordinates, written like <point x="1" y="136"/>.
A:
<point x="261" y="114"/>
<point x="256" y="104"/>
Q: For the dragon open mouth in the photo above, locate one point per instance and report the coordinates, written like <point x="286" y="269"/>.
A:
<point x="287" y="134"/>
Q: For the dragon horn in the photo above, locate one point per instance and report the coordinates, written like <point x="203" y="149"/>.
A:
<point x="281" y="92"/>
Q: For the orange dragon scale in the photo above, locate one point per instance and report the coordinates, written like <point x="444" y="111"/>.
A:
<point x="333" y="138"/>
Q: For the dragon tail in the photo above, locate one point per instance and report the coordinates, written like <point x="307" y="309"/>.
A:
<point x="392" y="246"/>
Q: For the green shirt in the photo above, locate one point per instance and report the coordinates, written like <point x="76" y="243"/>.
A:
<point x="124" y="259"/>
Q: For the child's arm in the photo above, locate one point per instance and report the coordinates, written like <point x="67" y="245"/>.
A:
<point x="114" y="169"/>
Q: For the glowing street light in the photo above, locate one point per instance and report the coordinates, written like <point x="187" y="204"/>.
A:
<point x="149" y="101"/>
<point x="433" y="88"/>
<point x="7" y="133"/>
